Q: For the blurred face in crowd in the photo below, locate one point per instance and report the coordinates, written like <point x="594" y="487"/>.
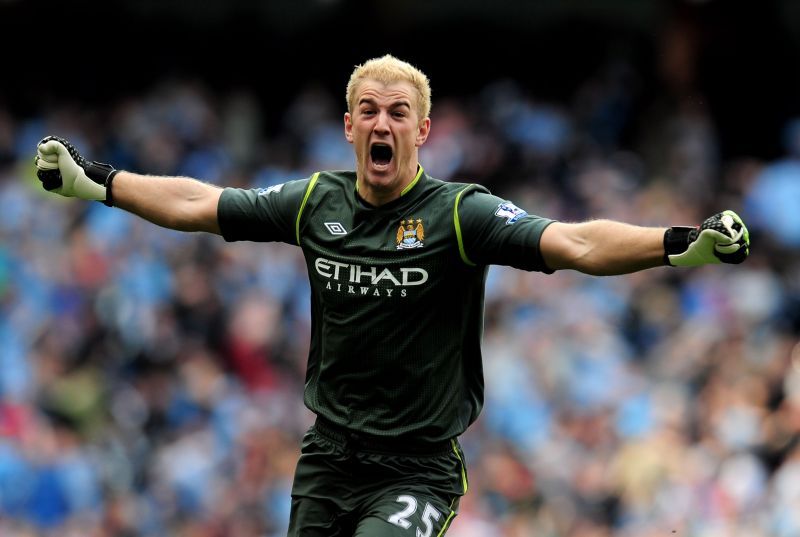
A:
<point x="386" y="132"/>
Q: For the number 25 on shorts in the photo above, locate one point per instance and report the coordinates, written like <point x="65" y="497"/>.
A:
<point x="429" y="515"/>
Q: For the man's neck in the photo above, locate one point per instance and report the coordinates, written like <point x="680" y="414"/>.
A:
<point x="377" y="197"/>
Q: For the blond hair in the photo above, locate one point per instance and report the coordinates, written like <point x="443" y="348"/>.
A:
<point x="387" y="70"/>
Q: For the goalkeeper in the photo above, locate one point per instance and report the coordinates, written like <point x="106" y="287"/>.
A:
<point x="397" y="262"/>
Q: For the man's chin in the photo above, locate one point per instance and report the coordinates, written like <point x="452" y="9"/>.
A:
<point x="381" y="175"/>
<point x="379" y="184"/>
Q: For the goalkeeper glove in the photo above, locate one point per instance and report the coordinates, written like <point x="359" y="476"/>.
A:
<point x="63" y="170"/>
<point x="722" y="238"/>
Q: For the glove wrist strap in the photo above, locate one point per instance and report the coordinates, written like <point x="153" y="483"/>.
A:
<point x="677" y="240"/>
<point x="102" y="174"/>
<point x="109" y="201"/>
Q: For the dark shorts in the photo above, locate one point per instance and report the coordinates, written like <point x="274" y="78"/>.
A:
<point x="347" y="487"/>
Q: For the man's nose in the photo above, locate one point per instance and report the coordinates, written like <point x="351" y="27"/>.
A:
<point x="382" y="123"/>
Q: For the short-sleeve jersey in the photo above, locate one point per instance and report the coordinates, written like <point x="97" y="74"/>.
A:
<point x="397" y="293"/>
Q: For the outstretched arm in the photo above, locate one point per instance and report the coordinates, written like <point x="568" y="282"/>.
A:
<point x="178" y="203"/>
<point x="602" y="247"/>
<point x="606" y="247"/>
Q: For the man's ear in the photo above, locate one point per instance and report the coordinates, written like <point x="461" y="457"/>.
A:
<point x="422" y="131"/>
<point x="348" y="127"/>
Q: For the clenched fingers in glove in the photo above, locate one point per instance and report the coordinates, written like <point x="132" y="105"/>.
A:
<point x="722" y="238"/>
<point x="63" y="170"/>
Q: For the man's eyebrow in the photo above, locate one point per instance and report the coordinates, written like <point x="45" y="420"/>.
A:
<point x="372" y="102"/>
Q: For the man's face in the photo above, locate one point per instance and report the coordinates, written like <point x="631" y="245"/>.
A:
<point x="386" y="132"/>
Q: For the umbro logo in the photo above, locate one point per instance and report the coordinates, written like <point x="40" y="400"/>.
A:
<point x="336" y="228"/>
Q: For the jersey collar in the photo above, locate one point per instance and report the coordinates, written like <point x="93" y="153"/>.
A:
<point x="414" y="182"/>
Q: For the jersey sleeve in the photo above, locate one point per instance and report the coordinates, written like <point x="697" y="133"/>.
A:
<point x="494" y="231"/>
<point x="261" y="214"/>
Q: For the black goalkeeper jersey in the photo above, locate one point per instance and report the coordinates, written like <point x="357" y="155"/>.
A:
<point x="397" y="293"/>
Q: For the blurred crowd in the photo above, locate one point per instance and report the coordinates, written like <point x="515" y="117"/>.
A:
<point x="151" y="381"/>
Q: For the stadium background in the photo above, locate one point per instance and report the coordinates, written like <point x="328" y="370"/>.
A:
<point x="150" y="381"/>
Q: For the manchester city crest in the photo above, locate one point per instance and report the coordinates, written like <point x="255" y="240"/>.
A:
<point x="410" y="234"/>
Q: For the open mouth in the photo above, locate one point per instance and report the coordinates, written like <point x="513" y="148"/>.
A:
<point x="380" y="154"/>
